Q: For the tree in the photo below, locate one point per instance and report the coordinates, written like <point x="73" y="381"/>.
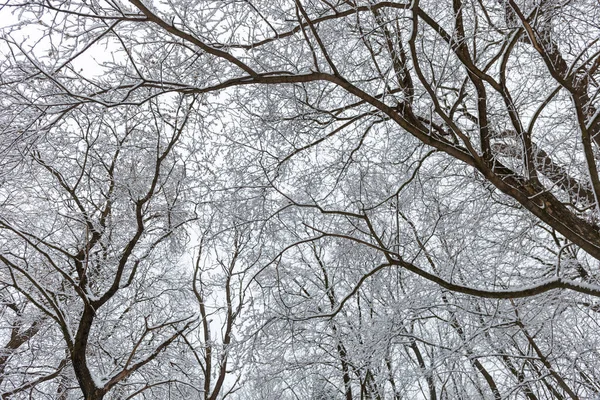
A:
<point x="98" y="202"/>
<point x="420" y="175"/>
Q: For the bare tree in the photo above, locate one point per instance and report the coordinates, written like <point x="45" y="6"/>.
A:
<point x="98" y="203"/>
<point x="421" y="176"/>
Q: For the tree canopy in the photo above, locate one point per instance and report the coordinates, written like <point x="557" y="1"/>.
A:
<point x="287" y="199"/>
